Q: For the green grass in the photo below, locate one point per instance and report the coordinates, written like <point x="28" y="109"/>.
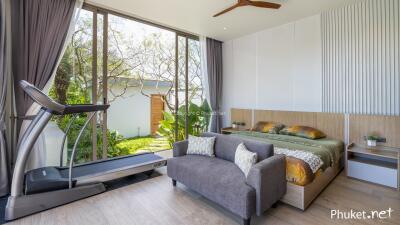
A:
<point x="148" y="143"/>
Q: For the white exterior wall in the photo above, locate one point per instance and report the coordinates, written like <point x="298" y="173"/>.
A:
<point x="130" y="114"/>
<point x="53" y="137"/>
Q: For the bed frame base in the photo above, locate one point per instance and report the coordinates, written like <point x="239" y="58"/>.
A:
<point x="302" y="196"/>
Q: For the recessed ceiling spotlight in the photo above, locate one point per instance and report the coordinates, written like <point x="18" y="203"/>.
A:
<point x="225" y="28"/>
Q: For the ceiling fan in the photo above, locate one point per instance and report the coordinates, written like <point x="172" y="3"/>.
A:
<point x="250" y="3"/>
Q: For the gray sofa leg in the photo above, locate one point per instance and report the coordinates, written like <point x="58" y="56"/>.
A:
<point x="173" y="182"/>
<point x="246" y="221"/>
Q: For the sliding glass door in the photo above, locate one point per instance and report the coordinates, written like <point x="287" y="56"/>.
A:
<point x="150" y="75"/>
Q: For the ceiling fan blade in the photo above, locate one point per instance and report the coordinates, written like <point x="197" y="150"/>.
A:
<point x="227" y="10"/>
<point x="265" y="4"/>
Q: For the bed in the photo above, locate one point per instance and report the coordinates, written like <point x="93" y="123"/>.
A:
<point x="311" y="164"/>
<point x="305" y="158"/>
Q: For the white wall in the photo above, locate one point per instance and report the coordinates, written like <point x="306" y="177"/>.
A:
<point x="278" y="68"/>
<point x="130" y="114"/>
<point x="53" y="137"/>
<point x="361" y="58"/>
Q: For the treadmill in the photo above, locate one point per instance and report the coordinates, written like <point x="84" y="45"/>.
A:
<point x="44" y="188"/>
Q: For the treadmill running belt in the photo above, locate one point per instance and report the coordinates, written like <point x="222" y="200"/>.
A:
<point x="109" y="165"/>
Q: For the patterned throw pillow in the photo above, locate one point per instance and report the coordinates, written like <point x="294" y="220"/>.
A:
<point x="201" y="146"/>
<point x="268" y="127"/>
<point x="303" y="131"/>
<point x="244" y="158"/>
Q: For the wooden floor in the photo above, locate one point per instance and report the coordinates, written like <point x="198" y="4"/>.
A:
<point x="156" y="201"/>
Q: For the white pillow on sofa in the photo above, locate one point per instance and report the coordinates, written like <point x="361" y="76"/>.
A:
<point x="244" y="158"/>
<point x="201" y="146"/>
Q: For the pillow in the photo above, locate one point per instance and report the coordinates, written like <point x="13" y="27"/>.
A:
<point x="303" y="131"/>
<point x="244" y="158"/>
<point x="201" y="146"/>
<point x="268" y="127"/>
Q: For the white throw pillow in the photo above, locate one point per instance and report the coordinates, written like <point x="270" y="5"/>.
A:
<point x="244" y="158"/>
<point x="201" y="146"/>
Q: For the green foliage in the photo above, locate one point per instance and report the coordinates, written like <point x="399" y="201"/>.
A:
<point x="131" y="145"/>
<point x="76" y="94"/>
<point x="198" y="120"/>
<point x="84" y="148"/>
<point x="373" y="138"/>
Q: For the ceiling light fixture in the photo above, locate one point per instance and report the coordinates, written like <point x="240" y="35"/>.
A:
<point x="241" y="3"/>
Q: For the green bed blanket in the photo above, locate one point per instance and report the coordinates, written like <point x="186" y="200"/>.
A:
<point x="329" y="150"/>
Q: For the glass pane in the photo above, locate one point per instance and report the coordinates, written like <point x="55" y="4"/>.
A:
<point x="73" y="85"/>
<point x="181" y="88"/>
<point x="199" y="110"/>
<point x="99" y="90"/>
<point x="140" y="82"/>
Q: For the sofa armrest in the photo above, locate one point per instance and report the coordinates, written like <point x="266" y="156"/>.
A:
<point x="268" y="178"/>
<point x="180" y="148"/>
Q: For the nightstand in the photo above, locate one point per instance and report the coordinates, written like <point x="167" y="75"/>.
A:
<point x="378" y="164"/>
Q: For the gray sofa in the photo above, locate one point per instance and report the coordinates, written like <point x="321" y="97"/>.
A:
<point x="220" y="180"/>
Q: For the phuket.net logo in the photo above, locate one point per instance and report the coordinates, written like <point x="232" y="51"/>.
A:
<point x="361" y="215"/>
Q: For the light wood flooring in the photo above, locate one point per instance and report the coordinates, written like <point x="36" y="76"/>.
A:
<point x="156" y="201"/>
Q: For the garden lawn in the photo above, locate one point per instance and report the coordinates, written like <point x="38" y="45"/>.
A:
<point x="149" y="143"/>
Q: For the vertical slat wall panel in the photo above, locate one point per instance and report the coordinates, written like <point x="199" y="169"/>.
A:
<point x="360" y="55"/>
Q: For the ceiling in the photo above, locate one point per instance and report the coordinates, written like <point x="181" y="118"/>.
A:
<point x="196" y="16"/>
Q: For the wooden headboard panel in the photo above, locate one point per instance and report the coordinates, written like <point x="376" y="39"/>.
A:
<point x="332" y="124"/>
<point x="384" y="126"/>
<point x="242" y="115"/>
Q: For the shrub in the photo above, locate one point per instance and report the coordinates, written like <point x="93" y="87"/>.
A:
<point x="198" y="120"/>
<point x="76" y="94"/>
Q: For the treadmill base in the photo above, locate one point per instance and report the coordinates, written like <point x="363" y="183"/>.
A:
<point x="20" y="206"/>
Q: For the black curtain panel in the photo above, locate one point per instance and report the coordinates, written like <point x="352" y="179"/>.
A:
<point x="214" y="67"/>
<point x="40" y="29"/>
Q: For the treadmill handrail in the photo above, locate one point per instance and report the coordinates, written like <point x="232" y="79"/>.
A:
<point x="83" y="108"/>
<point x="65" y="138"/>
<point x="71" y="162"/>
<point x="56" y="108"/>
<point x="41" y="98"/>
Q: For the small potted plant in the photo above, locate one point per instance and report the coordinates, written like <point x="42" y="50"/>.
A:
<point x="371" y="140"/>
<point x="234" y="124"/>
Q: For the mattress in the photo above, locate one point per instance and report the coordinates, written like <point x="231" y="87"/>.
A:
<point x="305" y="158"/>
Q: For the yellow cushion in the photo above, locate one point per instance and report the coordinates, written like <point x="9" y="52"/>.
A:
<point x="268" y="127"/>
<point x="303" y="131"/>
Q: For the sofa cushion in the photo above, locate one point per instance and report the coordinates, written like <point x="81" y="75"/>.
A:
<point x="225" y="146"/>
<point x="201" y="146"/>
<point x="245" y="159"/>
<point x="218" y="180"/>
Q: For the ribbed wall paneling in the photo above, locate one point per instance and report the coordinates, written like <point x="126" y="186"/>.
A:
<point x="360" y="55"/>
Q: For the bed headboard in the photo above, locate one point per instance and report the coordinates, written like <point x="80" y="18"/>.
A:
<point x="384" y="126"/>
<point x="332" y="124"/>
<point x="242" y="115"/>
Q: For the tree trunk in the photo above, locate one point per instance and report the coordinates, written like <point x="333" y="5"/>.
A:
<point x="62" y="82"/>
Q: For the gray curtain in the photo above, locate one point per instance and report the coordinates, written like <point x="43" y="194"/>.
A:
<point x="4" y="169"/>
<point x="40" y="29"/>
<point x="214" y="72"/>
